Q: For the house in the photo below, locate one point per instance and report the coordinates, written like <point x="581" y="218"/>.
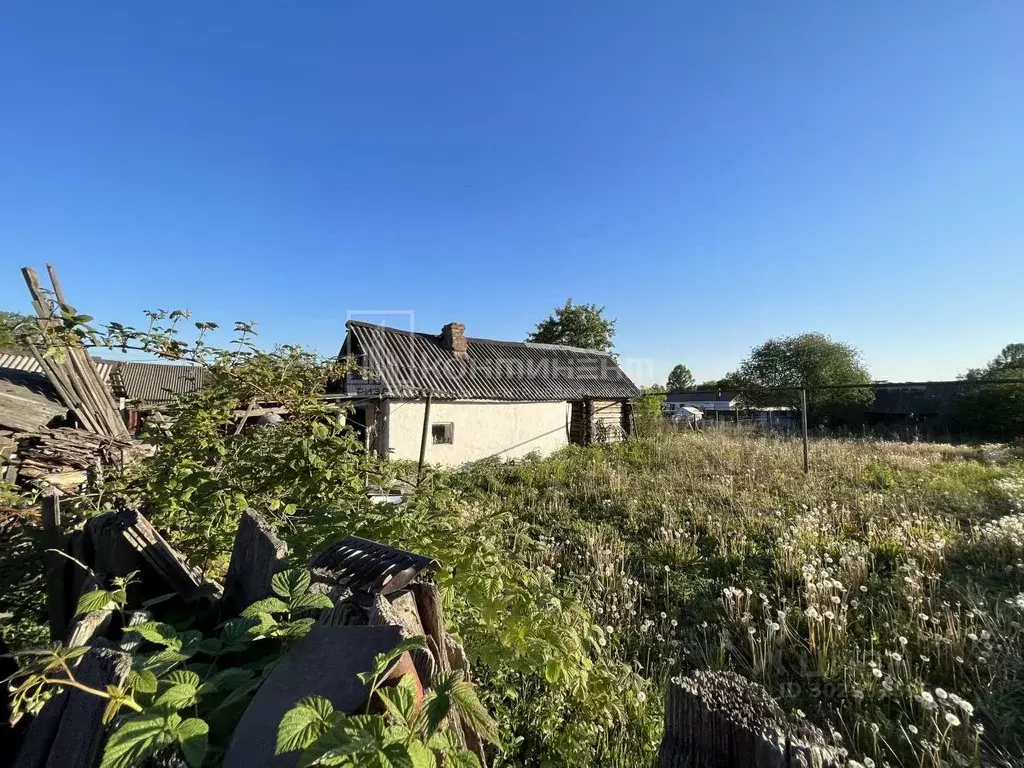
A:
<point x="719" y="406"/>
<point x="468" y="399"/>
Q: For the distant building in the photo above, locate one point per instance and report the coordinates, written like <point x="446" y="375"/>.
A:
<point x="725" y="406"/>
<point x="487" y="398"/>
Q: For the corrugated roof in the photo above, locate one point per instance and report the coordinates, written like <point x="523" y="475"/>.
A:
<point x="703" y="396"/>
<point x="155" y="382"/>
<point x="411" y="364"/>
<point x="14" y="361"/>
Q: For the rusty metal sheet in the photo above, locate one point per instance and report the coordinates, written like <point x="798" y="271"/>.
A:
<point x="377" y="568"/>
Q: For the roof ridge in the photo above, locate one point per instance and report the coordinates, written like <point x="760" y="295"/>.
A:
<point x="480" y="339"/>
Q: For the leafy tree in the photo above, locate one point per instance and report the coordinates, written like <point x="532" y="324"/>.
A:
<point x="576" y="325"/>
<point x="10" y="324"/>
<point x="647" y="408"/>
<point x="726" y="383"/>
<point x="1003" y="365"/>
<point x="808" y="360"/>
<point x="679" y="379"/>
<point x="995" y="411"/>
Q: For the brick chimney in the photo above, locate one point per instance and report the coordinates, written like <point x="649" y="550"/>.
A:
<point x="453" y="338"/>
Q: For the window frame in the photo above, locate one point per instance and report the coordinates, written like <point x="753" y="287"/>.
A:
<point x="449" y="432"/>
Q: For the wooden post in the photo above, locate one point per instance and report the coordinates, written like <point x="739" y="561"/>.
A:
<point x="53" y="539"/>
<point x="257" y="555"/>
<point x="722" y="720"/>
<point x="423" y="438"/>
<point x="803" y="424"/>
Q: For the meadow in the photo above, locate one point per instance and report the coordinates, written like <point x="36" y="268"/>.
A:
<point x="881" y="595"/>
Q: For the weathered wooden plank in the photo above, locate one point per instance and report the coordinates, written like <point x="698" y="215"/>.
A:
<point x="722" y="720"/>
<point x="157" y="553"/>
<point x="257" y="555"/>
<point x="404" y="616"/>
<point x="326" y="662"/>
<point x="81" y="734"/>
<point x="56" y="565"/>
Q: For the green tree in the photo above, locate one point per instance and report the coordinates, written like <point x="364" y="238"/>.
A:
<point x="808" y="360"/>
<point x="647" y="408"/>
<point x="10" y="324"/>
<point x="679" y="379"/>
<point x="995" y="411"/>
<point x="576" y="325"/>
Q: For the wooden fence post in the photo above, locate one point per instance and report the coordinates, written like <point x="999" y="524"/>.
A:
<point x="53" y="539"/>
<point x="723" y="720"/>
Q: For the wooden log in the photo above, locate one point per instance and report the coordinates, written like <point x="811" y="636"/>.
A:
<point x="56" y="566"/>
<point x="722" y="720"/>
<point x="384" y="613"/>
<point x="257" y="555"/>
<point x="81" y="734"/>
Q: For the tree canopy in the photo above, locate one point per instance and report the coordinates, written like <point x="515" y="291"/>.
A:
<point x="808" y="360"/>
<point x="576" y="325"/>
<point x="996" y="411"/>
<point x="679" y="379"/>
<point x="9" y="321"/>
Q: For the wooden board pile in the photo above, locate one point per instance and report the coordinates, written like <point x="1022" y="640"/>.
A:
<point x="378" y="594"/>
<point x="63" y="457"/>
<point x="71" y="370"/>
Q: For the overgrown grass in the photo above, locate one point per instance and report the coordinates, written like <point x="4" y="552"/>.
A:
<point x="882" y="595"/>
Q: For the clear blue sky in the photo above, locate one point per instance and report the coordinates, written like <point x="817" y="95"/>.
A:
<point x="715" y="173"/>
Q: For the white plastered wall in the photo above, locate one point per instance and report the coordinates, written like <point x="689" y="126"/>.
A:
<point x="481" y="429"/>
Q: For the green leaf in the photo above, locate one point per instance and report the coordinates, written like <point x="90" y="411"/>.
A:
<point x="420" y="756"/>
<point x="97" y="600"/>
<point x="311" y="600"/>
<point x="267" y="605"/>
<point x="136" y="739"/>
<point x="400" y="700"/>
<point x="143" y="681"/>
<point x="190" y="641"/>
<point x="435" y="706"/>
<point x="461" y="758"/>
<point x="553" y="671"/>
<point x="228" y="679"/>
<point x="382" y="662"/>
<point x="337" y="746"/>
<point x="192" y="735"/>
<point x="240" y="694"/>
<point x="303" y="724"/>
<point x="291" y="583"/>
<point x="396" y="756"/>
<point x="156" y="632"/>
<point x="182" y="677"/>
<point x="177" y="697"/>
<point x="164" y="660"/>
<point x="236" y="631"/>
<point x="297" y="628"/>
<point x="473" y="712"/>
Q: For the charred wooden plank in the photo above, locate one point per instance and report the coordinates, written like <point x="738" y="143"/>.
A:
<point x="326" y="662"/>
<point x="56" y="565"/>
<point x="81" y="733"/>
<point x="363" y="564"/>
<point x="257" y="555"/>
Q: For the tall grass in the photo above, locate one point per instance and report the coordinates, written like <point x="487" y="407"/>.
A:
<point x="881" y="595"/>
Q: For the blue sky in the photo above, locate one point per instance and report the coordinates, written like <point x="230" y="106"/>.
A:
<point x="714" y="173"/>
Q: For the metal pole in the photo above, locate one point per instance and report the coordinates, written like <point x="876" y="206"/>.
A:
<point x="803" y="424"/>
<point x="423" y="437"/>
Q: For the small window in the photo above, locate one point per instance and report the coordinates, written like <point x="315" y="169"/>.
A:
<point x="443" y="434"/>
